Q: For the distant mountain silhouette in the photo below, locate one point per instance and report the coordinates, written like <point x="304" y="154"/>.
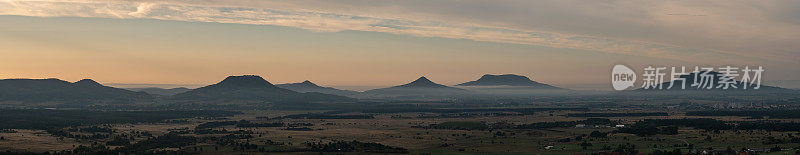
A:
<point x="252" y="88"/>
<point x="160" y="91"/>
<point x="421" y="86"/>
<point x="59" y="91"/>
<point x="423" y="82"/>
<point x="308" y="86"/>
<point x="506" y="80"/>
<point x="88" y="83"/>
<point x="713" y="81"/>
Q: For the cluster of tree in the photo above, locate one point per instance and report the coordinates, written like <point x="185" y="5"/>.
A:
<point x="215" y="124"/>
<point x="103" y="129"/>
<point x="67" y="134"/>
<point x="460" y="125"/>
<point x="767" y="125"/>
<point x="299" y="129"/>
<point x="773" y="140"/>
<point x="562" y="124"/>
<point x="163" y="141"/>
<point x="241" y="124"/>
<point x="325" y="116"/>
<point x="227" y="140"/>
<point x="235" y="142"/>
<point x="237" y="136"/>
<point x="353" y="146"/>
<point x="618" y="114"/>
<point x="92" y="149"/>
<point x="252" y="125"/>
<point x="47" y="119"/>
<point x="761" y="113"/>
<point x="598" y="134"/>
<point x="627" y="149"/>
<point x="467" y="115"/>
<point x="473" y="125"/>
<point x="120" y="140"/>
<point x="451" y="115"/>
<point x="7" y="131"/>
<point x="464" y="110"/>
<point x="214" y="131"/>
<point x="649" y="129"/>
<point x="300" y="124"/>
<point x="670" y="126"/>
<point x="149" y="146"/>
<point x="173" y="143"/>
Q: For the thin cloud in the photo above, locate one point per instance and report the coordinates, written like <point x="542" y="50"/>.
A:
<point x="290" y="15"/>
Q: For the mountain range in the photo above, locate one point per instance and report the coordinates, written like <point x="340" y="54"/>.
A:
<point x="252" y="88"/>
<point x="421" y="86"/>
<point x="308" y="86"/>
<point x="507" y="80"/>
<point x="85" y="91"/>
<point x="160" y="91"/>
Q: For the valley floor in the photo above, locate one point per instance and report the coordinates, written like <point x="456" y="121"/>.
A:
<point x="293" y="132"/>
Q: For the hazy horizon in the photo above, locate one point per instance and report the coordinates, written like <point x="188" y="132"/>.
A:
<point x="791" y="84"/>
<point x="600" y="77"/>
<point x="384" y="43"/>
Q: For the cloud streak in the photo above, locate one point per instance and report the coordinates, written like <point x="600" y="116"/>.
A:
<point x="382" y="16"/>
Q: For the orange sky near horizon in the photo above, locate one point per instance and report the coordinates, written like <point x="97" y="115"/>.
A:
<point x="556" y="42"/>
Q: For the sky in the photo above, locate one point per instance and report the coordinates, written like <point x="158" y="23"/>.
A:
<point x="566" y="43"/>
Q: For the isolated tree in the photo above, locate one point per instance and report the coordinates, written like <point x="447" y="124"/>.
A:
<point x="597" y="134"/>
<point x="775" y="149"/>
